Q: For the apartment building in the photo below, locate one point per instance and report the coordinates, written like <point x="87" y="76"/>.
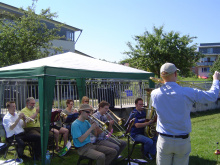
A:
<point x="211" y="52"/>
<point x="71" y="33"/>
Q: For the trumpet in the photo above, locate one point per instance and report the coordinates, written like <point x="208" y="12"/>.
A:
<point x="103" y="126"/>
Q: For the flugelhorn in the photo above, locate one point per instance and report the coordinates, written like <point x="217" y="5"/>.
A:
<point x="27" y="118"/>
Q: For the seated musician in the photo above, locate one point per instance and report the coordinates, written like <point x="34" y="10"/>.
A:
<point x="137" y="130"/>
<point x="81" y="130"/>
<point x="101" y="138"/>
<point x="57" y="128"/>
<point x="85" y="100"/>
<point x="13" y="124"/>
<point x="33" y="128"/>
<point x="69" y="111"/>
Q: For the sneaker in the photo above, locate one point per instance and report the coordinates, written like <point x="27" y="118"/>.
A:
<point x="148" y="157"/>
<point x="19" y="160"/>
<point x="119" y="156"/>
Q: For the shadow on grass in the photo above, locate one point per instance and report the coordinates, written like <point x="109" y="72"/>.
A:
<point x="195" y="160"/>
<point x="204" y="113"/>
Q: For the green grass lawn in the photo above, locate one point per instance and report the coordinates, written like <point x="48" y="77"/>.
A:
<point x="205" y="134"/>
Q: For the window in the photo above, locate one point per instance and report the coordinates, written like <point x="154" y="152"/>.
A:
<point x="69" y="36"/>
<point x="206" y="69"/>
<point x="210" y="50"/>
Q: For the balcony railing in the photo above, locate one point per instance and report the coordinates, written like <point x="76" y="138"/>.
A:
<point x="205" y="63"/>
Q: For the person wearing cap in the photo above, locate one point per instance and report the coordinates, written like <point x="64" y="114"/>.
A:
<point x="173" y="104"/>
<point x="81" y="130"/>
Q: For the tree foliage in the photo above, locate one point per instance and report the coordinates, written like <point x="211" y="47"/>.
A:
<point x="215" y="67"/>
<point x="154" y="49"/>
<point x="26" y="37"/>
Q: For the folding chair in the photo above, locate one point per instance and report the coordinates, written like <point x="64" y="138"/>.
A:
<point x="14" y="145"/>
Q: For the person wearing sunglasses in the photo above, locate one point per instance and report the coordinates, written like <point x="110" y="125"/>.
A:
<point x="81" y="130"/>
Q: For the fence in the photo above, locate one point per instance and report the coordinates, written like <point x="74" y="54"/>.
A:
<point x="119" y="93"/>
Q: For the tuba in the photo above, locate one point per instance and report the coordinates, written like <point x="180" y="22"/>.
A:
<point x="150" y="130"/>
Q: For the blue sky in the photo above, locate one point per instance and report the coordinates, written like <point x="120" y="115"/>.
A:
<point x="108" y="25"/>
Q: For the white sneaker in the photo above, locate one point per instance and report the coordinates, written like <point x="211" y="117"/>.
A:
<point x="119" y="156"/>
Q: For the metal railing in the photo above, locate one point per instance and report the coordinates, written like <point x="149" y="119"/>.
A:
<point x="119" y="93"/>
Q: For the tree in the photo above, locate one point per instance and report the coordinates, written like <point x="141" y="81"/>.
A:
<point x="215" y="67"/>
<point x="26" y="37"/>
<point x="153" y="50"/>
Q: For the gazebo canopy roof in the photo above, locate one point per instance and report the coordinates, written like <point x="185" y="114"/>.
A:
<point x="72" y="65"/>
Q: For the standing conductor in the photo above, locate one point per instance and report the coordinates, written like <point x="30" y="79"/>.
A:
<point x="173" y="104"/>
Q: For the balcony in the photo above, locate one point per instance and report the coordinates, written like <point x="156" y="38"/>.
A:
<point x="205" y="63"/>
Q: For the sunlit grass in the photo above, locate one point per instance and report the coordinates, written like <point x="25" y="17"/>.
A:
<point x="205" y="134"/>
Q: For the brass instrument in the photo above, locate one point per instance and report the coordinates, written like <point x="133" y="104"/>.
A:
<point x="103" y="126"/>
<point x="159" y="80"/>
<point x="118" y="118"/>
<point x="99" y="122"/>
<point x="27" y="118"/>
<point x="63" y="115"/>
<point x="118" y="123"/>
<point x="150" y="130"/>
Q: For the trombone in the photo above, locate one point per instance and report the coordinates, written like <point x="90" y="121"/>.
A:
<point x="118" y="123"/>
<point x="103" y="126"/>
<point x="160" y="81"/>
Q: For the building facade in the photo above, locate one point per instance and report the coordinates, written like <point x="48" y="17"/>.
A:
<point x="69" y="32"/>
<point x="211" y="52"/>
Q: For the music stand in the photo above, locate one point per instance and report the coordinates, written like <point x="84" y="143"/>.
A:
<point x="55" y="117"/>
<point x="70" y="118"/>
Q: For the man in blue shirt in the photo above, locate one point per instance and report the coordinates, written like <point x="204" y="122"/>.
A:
<point x="137" y="130"/>
<point x="81" y="130"/>
<point x="173" y="104"/>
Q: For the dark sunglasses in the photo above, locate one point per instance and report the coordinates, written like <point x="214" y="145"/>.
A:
<point x="86" y="111"/>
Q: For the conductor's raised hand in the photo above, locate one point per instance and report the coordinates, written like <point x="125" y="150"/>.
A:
<point x="216" y="76"/>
